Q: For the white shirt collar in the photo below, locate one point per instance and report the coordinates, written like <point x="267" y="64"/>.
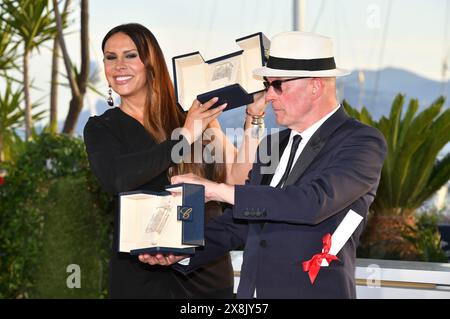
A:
<point x="309" y="132"/>
<point x="306" y="136"/>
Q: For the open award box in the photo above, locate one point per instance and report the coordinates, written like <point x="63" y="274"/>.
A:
<point x="151" y="222"/>
<point x="229" y="77"/>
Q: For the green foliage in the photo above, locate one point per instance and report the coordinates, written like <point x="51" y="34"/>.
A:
<point x="427" y="239"/>
<point x="75" y="233"/>
<point x="11" y="119"/>
<point x="26" y="204"/>
<point x="411" y="173"/>
<point x="31" y="20"/>
<point x="8" y="48"/>
<point x="31" y="23"/>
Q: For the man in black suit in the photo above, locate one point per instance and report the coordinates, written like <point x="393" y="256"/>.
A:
<point x="330" y="164"/>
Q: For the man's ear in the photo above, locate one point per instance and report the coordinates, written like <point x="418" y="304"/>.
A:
<point x="317" y="87"/>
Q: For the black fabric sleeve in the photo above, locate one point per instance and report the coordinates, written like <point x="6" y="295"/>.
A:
<point x="118" y="171"/>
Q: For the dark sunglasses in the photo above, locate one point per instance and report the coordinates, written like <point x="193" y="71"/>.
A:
<point x="277" y="83"/>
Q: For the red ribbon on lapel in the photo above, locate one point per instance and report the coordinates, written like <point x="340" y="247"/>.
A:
<point x="312" y="266"/>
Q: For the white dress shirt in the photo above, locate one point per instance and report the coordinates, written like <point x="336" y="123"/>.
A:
<point x="306" y="136"/>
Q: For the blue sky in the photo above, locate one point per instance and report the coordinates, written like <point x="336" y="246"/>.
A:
<point x="414" y="38"/>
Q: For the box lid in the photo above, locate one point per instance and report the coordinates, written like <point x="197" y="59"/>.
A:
<point x="195" y="78"/>
<point x="194" y="224"/>
<point x="140" y="230"/>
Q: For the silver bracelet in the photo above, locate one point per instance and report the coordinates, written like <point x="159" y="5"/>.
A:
<point x="257" y="124"/>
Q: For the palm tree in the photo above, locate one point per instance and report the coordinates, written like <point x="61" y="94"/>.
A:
<point x="77" y="81"/>
<point x="53" y="125"/>
<point x="11" y="118"/>
<point x="92" y="82"/>
<point x="33" y="23"/>
<point x="8" y="49"/>
<point x="411" y="173"/>
<point x="7" y="61"/>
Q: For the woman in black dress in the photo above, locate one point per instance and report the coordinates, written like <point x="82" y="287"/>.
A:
<point x="129" y="148"/>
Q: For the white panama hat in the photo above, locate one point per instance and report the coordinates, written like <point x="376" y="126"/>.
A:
<point x="296" y="53"/>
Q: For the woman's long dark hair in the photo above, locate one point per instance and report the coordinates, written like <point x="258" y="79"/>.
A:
<point x="161" y="113"/>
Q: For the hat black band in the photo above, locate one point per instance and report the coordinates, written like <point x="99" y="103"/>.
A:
<point x="301" y="64"/>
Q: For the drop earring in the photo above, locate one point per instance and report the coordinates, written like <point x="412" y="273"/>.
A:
<point x="110" y="99"/>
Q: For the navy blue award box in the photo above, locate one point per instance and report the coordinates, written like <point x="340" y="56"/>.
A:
<point x="228" y="77"/>
<point x="157" y="222"/>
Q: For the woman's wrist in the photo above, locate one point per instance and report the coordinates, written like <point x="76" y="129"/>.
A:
<point x="255" y="114"/>
<point x="257" y="120"/>
<point x="257" y="123"/>
<point x="186" y="134"/>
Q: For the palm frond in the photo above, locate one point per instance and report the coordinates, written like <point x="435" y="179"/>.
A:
<point x="411" y="174"/>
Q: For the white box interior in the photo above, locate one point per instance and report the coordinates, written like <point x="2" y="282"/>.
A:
<point x="195" y="77"/>
<point x="142" y="214"/>
<point x="251" y="59"/>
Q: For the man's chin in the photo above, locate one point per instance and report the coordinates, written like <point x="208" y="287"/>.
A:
<point x="279" y="120"/>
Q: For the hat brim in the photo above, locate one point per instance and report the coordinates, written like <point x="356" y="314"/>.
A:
<point x="265" y="71"/>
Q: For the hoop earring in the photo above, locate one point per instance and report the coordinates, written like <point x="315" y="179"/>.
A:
<point x="110" y="99"/>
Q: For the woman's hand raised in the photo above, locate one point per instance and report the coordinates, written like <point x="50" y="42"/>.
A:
<point x="198" y="118"/>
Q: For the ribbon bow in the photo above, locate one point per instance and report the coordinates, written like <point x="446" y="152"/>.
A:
<point x="312" y="266"/>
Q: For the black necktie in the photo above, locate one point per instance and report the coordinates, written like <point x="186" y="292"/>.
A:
<point x="297" y="139"/>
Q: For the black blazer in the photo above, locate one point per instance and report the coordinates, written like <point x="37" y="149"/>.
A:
<point x="338" y="170"/>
